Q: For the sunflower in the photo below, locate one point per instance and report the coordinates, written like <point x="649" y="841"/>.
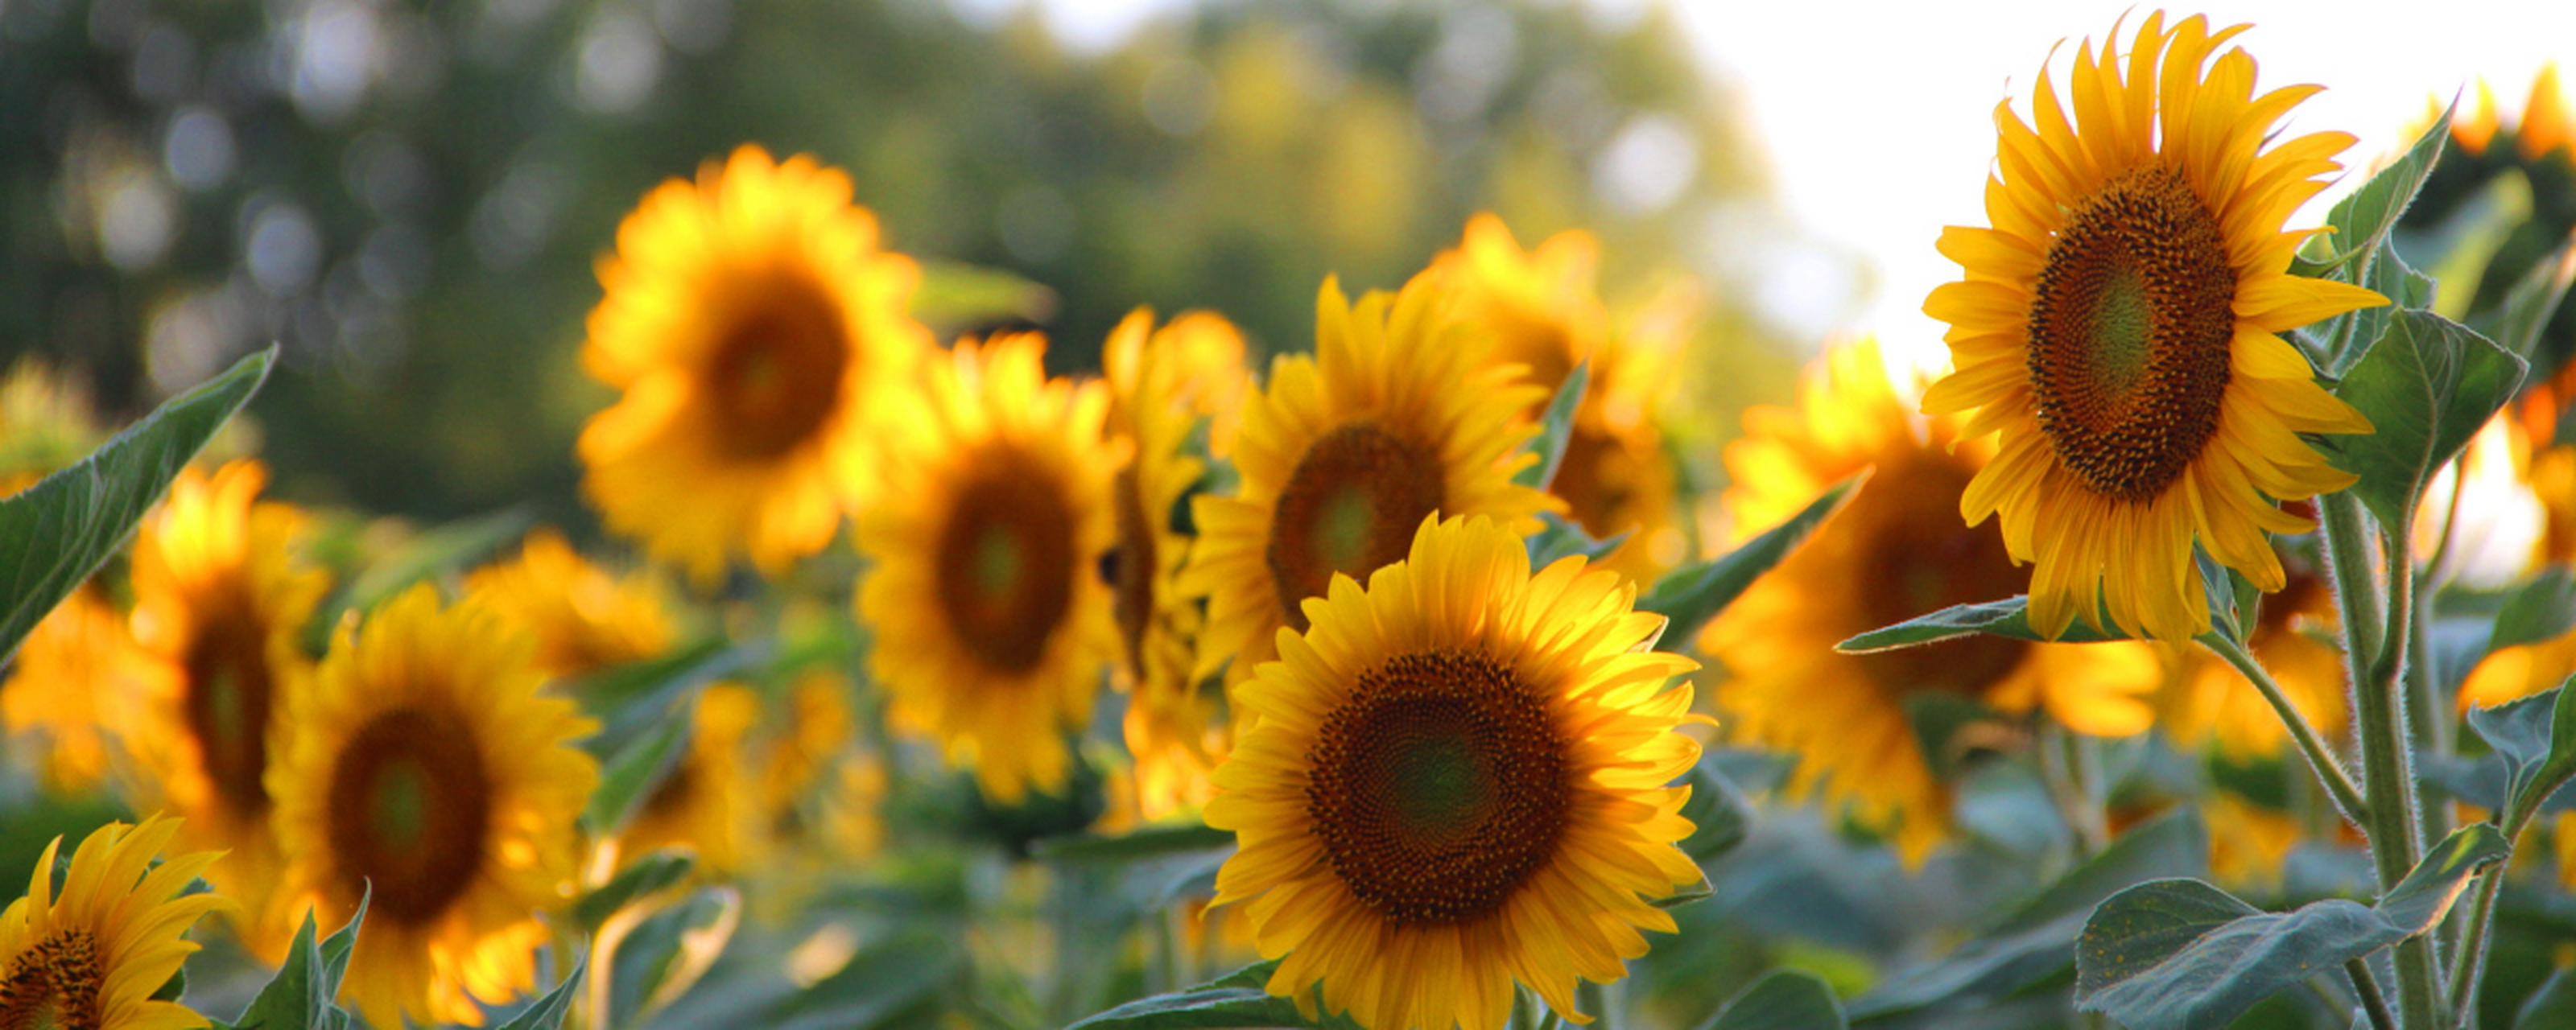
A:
<point x="220" y="606"/>
<point x="2117" y="326"/>
<point x="704" y="803"/>
<point x="992" y="622"/>
<point x="1162" y="383"/>
<point x="2208" y="700"/>
<point x="1545" y="315"/>
<point x="1892" y="553"/>
<point x="584" y="617"/>
<point x="757" y="332"/>
<point x="1455" y="778"/>
<point x="76" y="670"/>
<point x="424" y="761"/>
<point x="1398" y="414"/>
<point x="94" y="955"/>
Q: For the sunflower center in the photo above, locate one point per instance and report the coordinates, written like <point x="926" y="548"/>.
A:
<point x="776" y="374"/>
<point x="1437" y="787"/>
<point x="54" y="985"/>
<point x="1007" y="562"/>
<point x="1132" y="578"/>
<point x="410" y="806"/>
<point x="1350" y="507"/>
<point x="227" y="701"/>
<point x="2129" y="334"/>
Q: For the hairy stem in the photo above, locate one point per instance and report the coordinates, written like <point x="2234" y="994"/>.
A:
<point x="2321" y="759"/>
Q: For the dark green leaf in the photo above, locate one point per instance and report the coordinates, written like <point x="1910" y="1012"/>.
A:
<point x="2515" y="325"/>
<point x="57" y="532"/>
<point x="2360" y="220"/>
<point x="886" y="985"/>
<point x="2541" y="609"/>
<point x="1719" y="814"/>
<point x="2535" y="737"/>
<point x="301" y="995"/>
<point x="1695" y="593"/>
<point x="2552" y="1007"/>
<point x="435" y="552"/>
<point x="1234" y="1000"/>
<point x="2427" y="385"/>
<point x="629" y="777"/>
<point x="1788" y="999"/>
<point x="1555" y="428"/>
<point x="649" y="873"/>
<point x="960" y="295"/>
<point x="635" y="699"/>
<point x="547" y="1013"/>
<point x="2006" y="618"/>
<point x="1148" y="842"/>
<point x="661" y="955"/>
<point x="1560" y="538"/>
<point x="2181" y="954"/>
<point x="1699" y="891"/>
<point x="2234" y="603"/>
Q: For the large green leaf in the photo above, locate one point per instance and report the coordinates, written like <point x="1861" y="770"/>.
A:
<point x="2427" y="385"/>
<point x="2536" y="738"/>
<point x="57" y="532"/>
<point x="1787" y="999"/>
<point x="1146" y="842"/>
<point x="2183" y="955"/>
<point x="2009" y="617"/>
<point x="634" y="700"/>
<point x="1234" y="1000"/>
<point x="302" y="994"/>
<point x="888" y="984"/>
<point x="439" y="550"/>
<point x="1719" y="814"/>
<point x="1694" y="594"/>
<point x="2539" y="610"/>
<point x="648" y="875"/>
<point x="661" y="955"/>
<point x="1559" y="537"/>
<point x="2552" y="1007"/>
<point x="2359" y="221"/>
<point x="2516" y="324"/>
<point x="548" y="1012"/>
<point x="628" y="777"/>
<point x="1555" y="429"/>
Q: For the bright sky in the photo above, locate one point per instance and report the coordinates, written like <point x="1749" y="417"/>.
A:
<point x="1878" y="117"/>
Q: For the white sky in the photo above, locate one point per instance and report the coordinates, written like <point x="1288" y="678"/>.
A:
<point x="1877" y="118"/>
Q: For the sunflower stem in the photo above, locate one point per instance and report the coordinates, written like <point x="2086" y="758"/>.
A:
<point x="2366" y="987"/>
<point x="2321" y="759"/>
<point x="1593" y="1000"/>
<point x="2469" y="960"/>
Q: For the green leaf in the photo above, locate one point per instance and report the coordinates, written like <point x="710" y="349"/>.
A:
<point x="1555" y="429"/>
<point x="2006" y="618"/>
<point x="1150" y="842"/>
<point x="957" y="295"/>
<point x="2536" y="738"/>
<point x="633" y="700"/>
<point x="2539" y="610"/>
<point x="1694" y="594"/>
<point x="2552" y="1007"/>
<point x="649" y="874"/>
<point x="547" y="1013"/>
<point x="886" y="985"/>
<point x="662" y="955"/>
<point x="57" y="532"/>
<point x="2235" y="605"/>
<point x="1234" y="1000"/>
<point x="1560" y="538"/>
<point x="2181" y="954"/>
<point x="439" y="550"/>
<point x="2362" y="219"/>
<point x="1719" y="814"/>
<point x="2516" y="324"/>
<point x="2427" y="385"/>
<point x="301" y="995"/>
<point x="1788" y="999"/>
<point x="628" y="777"/>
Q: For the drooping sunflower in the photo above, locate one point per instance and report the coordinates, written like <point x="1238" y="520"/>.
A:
<point x="704" y="804"/>
<point x="76" y="670"/>
<point x="2117" y="325"/>
<point x="585" y="618"/>
<point x="1892" y="553"/>
<point x="1399" y="413"/>
<point x="2208" y="700"/>
<point x="1162" y="384"/>
<point x="424" y="761"/>
<point x="1545" y="314"/>
<point x="992" y="623"/>
<point x="758" y="332"/>
<point x="93" y="956"/>
<point x="1456" y="778"/>
<point x="221" y="599"/>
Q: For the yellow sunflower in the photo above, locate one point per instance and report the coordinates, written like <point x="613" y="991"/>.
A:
<point x="425" y="762"/>
<point x="1544" y="314"/>
<point x="2117" y="325"/>
<point x="1454" y="779"/>
<point x="1891" y="554"/>
<point x="1399" y="414"/>
<point x="93" y="956"/>
<point x="757" y="332"/>
<point x="704" y="804"/>
<point x="72" y="677"/>
<point x="1162" y="383"/>
<point x="585" y="618"/>
<point x="220" y="605"/>
<point x="992" y="623"/>
<point x="2208" y="700"/>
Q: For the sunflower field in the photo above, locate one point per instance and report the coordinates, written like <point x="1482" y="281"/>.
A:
<point x="772" y="514"/>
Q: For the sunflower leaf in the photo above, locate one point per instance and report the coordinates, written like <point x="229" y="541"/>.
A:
<point x="1555" y="429"/>
<point x="1719" y="814"/>
<point x="894" y="982"/>
<point x="57" y="532"/>
<point x="2535" y="736"/>
<point x="1148" y="842"/>
<point x="2361" y="220"/>
<point x="1238" y="999"/>
<point x="1696" y="593"/>
<point x="547" y="1013"/>
<point x="300" y="996"/>
<point x="1787" y="999"/>
<point x="661" y="955"/>
<point x="648" y="875"/>
<point x="2516" y="324"/>
<point x="958" y="296"/>
<point x="441" y="549"/>
<point x="2183" y="955"/>
<point x="1563" y="538"/>
<point x="2009" y="617"/>
<point x="2427" y="384"/>
<point x="2553" y="1005"/>
<point x="2539" y="610"/>
<point x="629" y="776"/>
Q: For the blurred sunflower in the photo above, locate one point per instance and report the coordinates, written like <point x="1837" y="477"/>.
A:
<point x="585" y="618"/>
<point x="992" y="622"/>
<point x="221" y="601"/>
<point x="1398" y="415"/>
<point x="46" y="422"/>
<point x="1544" y="314"/>
<point x="93" y="956"/>
<point x="2209" y="701"/>
<point x="424" y="761"/>
<point x="76" y="670"/>
<point x="1892" y="553"/>
<point x="2117" y="326"/>
<point x="1162" y="383"/>
<point x="1455" y="778"/>
<point x="757" y="332"/>
<point x="705" y="803"/>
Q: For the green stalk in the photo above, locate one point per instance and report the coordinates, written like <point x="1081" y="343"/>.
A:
<point x="2366" y="987"/>
<point x="2321" y="759"/>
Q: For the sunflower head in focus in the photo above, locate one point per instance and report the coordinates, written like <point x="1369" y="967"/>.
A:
<point x="2118" y="325"/>
<point x="1163" y="384"/>
<point x="757" y="333"/>
<point x="705" y="802"/>
<point x="2208" y="700"/>
<point x="1454" y="778"/>
<point x="1543" y="311"/>
<point x="221" y="600"/>
<point x="585" y="618"/>
<point x="1399" y="414"/>
<point x="1892" y="553"/>
<point x="425" y="762"/>
<point x="77" y="671"/>
<point x="93" y="955"/>
<point x="993" y="624"/>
